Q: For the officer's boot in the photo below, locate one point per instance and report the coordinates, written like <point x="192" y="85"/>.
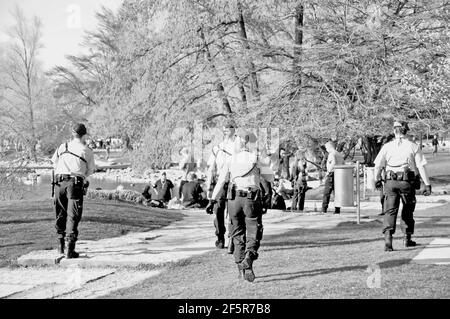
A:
<point x="247" y="265"/>
<point x="230" y="247"/>
<point x="61" y="245"/>
<point x="220" y="242"/>
<point x="388" y="241"/>
<point x="408" y="242"/>
<point x="71" y="253"/>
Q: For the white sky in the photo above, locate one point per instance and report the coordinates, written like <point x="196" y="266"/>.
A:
<point x="64" y="23"/>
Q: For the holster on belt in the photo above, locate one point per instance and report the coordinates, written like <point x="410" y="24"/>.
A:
<point x="407" y="175"/>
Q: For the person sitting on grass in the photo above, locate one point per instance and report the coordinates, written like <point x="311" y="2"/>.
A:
<point x="193" y="195"/>
<point x="163" y="189"/>
<point x="147" y="194"/>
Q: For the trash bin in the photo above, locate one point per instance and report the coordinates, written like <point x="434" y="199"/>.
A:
<point x="343" y="186"/>
<point x="370" y="178"/>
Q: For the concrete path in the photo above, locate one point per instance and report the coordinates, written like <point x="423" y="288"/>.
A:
<point x="45" y="283"/>
<point x="437" y="252"/>
<point x="105" y="264"/>
<point x="191" y="236"/>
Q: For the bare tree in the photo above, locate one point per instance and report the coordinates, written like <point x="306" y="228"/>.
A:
<point x="21" y="86"/>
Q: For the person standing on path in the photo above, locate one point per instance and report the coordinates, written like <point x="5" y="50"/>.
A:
<point x="435" y="143"/>
<point x="73" y="163"/>
<point x="299" y="174"/>
<point x="334" y="158"/>
<point x="404" y="163"/>
<point x="221" y="155"/>
<point x="243" y="173"/>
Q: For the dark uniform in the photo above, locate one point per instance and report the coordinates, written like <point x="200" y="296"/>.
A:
<point x="402" y="160"/>
<point x="73" y="162"/>
<point x="245" y="205"/>
<point x="192" y="195"/>
<point x="300" y="185"/>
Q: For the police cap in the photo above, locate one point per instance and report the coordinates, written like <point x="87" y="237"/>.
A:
<point x="401" y="124"/>
<point x="79" y="129"/>
<point x="247" y="136"/>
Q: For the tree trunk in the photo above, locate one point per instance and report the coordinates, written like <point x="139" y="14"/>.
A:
<point x="239" y="82"/>
<point x="254" y="86"/>
<point x="218" y="82"/>
<point x="371" y="148"/>
<point x="298" y="21"/>
<point x="33" y="142"/>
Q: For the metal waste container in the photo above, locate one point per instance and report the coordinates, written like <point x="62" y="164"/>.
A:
<point x="370" y="178"/>
<point x="343" y="186"/>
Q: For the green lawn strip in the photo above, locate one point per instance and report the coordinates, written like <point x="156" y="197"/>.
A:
<point x="317" y="263"/>
<point x="27" y="226"/>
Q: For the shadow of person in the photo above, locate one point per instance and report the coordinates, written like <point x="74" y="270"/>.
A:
<point x="324" y="271"/>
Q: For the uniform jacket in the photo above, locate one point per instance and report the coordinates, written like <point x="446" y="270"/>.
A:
<point x="400" y="154"/>
<point x="221" y="154"/>
<point x="67" y="164"/>
<point x="243" y="170"/>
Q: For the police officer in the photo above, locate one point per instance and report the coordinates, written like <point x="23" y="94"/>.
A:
<point x="73" y="162"/>
<point x="221" y="155"/>
<point x="244" y="202"/>
<point x="403" y="162"/>
<point x="299" y="175"/>
<point x="334" y="158"/>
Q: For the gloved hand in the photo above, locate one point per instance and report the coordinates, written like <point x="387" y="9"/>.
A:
<point x="379" y="184"/>
<point x="210" y="207"/>
<point x="427" y="190"/>
<point x="85" y="187"/>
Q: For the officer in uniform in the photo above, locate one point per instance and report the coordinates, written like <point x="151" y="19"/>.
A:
<point x="245" y="204"/>
<point x="334" y="158"/>
<point x="221" y="155"/>
<point x="73" y="162"/>
<point x="403" y="162"/>
<point x="299" y="175"/>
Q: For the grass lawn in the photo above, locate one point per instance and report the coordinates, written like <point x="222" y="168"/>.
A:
<point x="29" y="225"/>
<point x="313" y="264"/>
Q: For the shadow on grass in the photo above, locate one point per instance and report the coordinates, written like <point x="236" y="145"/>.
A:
<point x="15" y="245"/>
<point x="26" y="221"/>
<point x="325" y="271"/>
<point x="316" y="244"/>
<point x="289" y="244"/>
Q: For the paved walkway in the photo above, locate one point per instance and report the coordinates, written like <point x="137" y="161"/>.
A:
<point x="107" y="261"/>
<point x="437" y="252"/>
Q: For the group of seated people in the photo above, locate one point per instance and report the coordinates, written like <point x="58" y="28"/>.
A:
<point x="290" y="183"/>
<point x="190" y="192"/>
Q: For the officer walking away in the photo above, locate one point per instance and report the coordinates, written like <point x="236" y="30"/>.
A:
<point x="334" y="158"/>
<point x="73" y="162"/>
<point x="435" y="143"/>
<point x="221" y="155"/>
<point x="404" y="163"/>
<point x="300" y="175"/>
<point x="245" y="205"/>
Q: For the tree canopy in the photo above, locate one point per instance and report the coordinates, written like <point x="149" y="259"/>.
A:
<point x="340" y="69"/>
